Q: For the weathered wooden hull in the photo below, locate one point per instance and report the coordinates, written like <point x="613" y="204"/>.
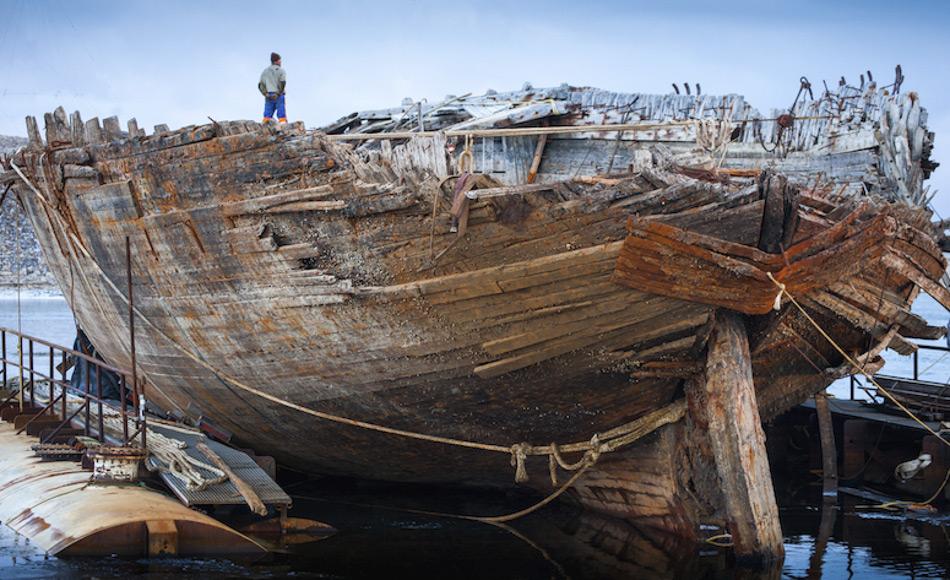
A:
<point x="329" y="278"/>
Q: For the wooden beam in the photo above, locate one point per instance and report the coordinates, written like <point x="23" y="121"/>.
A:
<point x="92" y="132"/>
<point x="247" y="492"/>
<point x="536" y="161"/>
<point x="905" y="268"/>
<point x="829" y="453"/>
<point x="76" y="129"/>
<point x="517" y="131"/>
<point x="162" y="538"/>
<point x="726" y="403"/>
<point x="780" y="216"/>
<point x="33" y="132"/>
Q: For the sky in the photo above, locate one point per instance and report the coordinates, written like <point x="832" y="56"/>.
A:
<point x="179" y="62"/>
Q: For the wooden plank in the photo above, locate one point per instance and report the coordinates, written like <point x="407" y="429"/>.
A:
<point x="536" y="160"/>
<point x="780" y="216"/>
<point x="303" y="206"/>
<point x="57" y="128"/>
<point x="726" y="402"/>
<point x="92" y="132"/>
<point x="829" y="453"/>
<point x="111" y="128"/>
<point x="908" y="270"/>
<point x="246" y="490"/>
<point x="33" y="132"/>
<point x="508" y="190"/>
<point x="76" y="129"/>
<point x="666" y="260"/>
<point x="267" y="202"/>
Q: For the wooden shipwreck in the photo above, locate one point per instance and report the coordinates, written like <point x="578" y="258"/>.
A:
<point x="443" y="293"/>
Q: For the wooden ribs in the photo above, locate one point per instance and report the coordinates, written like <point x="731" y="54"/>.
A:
<point x="669" y="261"/>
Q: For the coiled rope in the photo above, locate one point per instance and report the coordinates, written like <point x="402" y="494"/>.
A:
<point x="171" y="458"/>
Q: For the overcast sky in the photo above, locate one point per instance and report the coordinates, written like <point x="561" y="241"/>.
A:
<point x="177" y="62"/>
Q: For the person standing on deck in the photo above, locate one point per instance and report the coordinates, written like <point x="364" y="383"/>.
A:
<point x="272" y="84"/>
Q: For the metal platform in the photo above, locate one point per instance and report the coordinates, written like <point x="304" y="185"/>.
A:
<point x="225" y="493"/>
<point x="860" y="410"/>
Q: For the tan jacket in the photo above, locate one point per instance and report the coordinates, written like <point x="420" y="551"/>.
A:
<point x="273" y="80"/>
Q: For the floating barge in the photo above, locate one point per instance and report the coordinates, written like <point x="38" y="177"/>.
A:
<point x="58" y="507"/>
<point x="548" y="280"/>
<point x="77" y="489"/>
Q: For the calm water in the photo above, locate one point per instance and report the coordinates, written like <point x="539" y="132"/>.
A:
<point x="840" y="541"/>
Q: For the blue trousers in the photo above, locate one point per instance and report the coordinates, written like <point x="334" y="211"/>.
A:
<point x="272" y="105"/>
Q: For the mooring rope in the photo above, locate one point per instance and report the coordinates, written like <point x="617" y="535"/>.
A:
<point x="851" y="361"/>
<point x="887" y="505"/>
<point x="720" y="541"/>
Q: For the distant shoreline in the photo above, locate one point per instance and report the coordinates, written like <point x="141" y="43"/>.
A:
<point x="30" y="292"/>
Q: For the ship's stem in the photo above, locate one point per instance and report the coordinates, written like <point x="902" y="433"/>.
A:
<point x="737" y="441"/>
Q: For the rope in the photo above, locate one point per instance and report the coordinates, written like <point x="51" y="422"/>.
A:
<point x="900" y="503"/>
<point x="860" y="368"/>
<point x="937" y="493"/>
<point x="717" y="541"/>
<point x="852" y="362"/>
<point x="612" y="440"/>
<point x="714" y="137"/>
<point x="173" y="460"/>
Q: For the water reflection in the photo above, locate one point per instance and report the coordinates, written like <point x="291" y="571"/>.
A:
<point x="823" y="540"/>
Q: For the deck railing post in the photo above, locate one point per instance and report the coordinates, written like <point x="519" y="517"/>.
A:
<point x="52" y="380"/>
<point x="20" y="366"/>
<point x="3" y="345"/>
<point x="63" y="372"/>
<point x="851" y="383"/>
<point x="32" y="376"/>
<point x="102" y="432"/>
<point x="87" y="388"/>
<point x="123" y="396"/>
<point x="915" y="364"/>
<point x="139" y="398"/>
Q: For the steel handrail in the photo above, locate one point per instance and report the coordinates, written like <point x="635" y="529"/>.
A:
<point x="97" y="362"/>
<point x="28" y="366"/>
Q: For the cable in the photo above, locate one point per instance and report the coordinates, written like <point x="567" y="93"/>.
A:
<point x="852" y="362"/>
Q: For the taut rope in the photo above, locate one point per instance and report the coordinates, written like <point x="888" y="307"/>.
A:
<point x="853" y="362"/>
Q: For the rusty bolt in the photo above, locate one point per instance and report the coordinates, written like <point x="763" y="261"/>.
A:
<point x="785" y="121"/>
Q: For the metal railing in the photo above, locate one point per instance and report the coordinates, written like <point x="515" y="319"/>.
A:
<point x="915" y="375"/>
<point x="32" y="378"/>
